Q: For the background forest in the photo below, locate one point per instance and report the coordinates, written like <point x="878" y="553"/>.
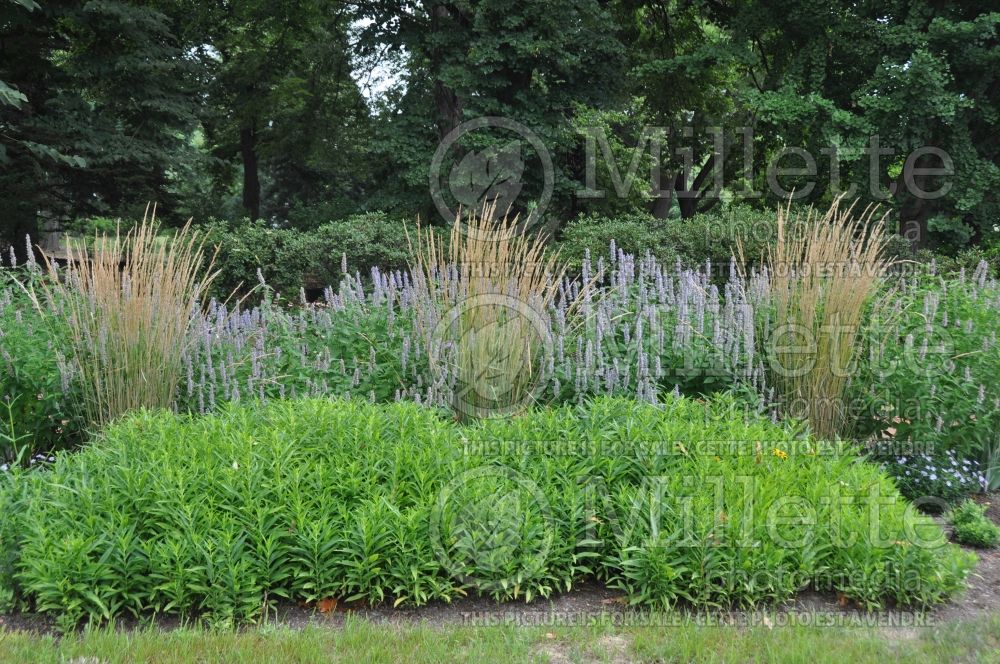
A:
<point x="302" y="113"/>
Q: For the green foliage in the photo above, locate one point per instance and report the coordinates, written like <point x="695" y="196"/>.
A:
<point x="931" y="364"/>
<point x="224" y="515"/>
<point x="13" y="447"/>
<point x="368" y="240"/>
<point x="284" y="123"/>
<point x="924" y="74"/>
<point x="108" y="105"/>
<point x="534" y="63"/>
<point x="713" y="236"/>
<point x="972" y="526"/>
<point x="952" y="264"/>
<point x="248" y="246"/>
<point x="620" y="152"/>
<point x="275" y="109"/>
<point x="88" y="227"/>
<point x="11" y="97"/>
<point x="35" y="380"/>
<point x="290" y="259"/>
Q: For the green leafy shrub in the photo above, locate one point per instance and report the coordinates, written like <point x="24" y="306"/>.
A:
<point x="966" y="512"/>
<point x="633" y="233"/>
<point x="711" y="237"/>
<point x="305" y="500"/>
<point x="984" y="534"/>
<point x="368" y="240"/>
<point x="951" y="265"/>
<point x="84" y="230"/>
<point x="290" y="259"/>
<point x="307" y="217"/>
<point x="972" y="527"/>
<point x="245" y="248"/>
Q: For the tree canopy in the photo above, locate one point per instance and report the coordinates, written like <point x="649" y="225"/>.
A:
<point x="266" y="109"/>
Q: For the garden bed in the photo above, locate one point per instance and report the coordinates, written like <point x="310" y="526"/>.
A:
<point x="679" y="505"/>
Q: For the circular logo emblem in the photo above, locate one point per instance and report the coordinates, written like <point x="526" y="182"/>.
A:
<point x="491" y="528"/>
<point x="492" y="176"/>
<point x="491" y="349"/>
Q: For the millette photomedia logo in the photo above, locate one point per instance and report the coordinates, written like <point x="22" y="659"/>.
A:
<point x="465" y="177"/>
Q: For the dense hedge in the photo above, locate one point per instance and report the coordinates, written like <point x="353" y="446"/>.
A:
<point x="290" y="259"/>
<point x="712" y="236"/>
<point x="306" y="500"/>
<point x="966" y="260"/>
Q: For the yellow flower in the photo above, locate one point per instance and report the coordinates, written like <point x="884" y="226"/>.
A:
<point x="781" y="454"/>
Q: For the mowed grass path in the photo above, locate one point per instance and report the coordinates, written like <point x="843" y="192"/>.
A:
<point x="361" y="641"/>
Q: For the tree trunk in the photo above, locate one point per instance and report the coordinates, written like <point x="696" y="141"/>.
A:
<point x="686" y="199"/>
<point x="449" y="108"/>
<point x="14" y="236"/>
<point x="446" y="101"/>
<point x="914" y="211"/>
<point x="664" y="199"/>
<point x="251" y="172"/>
<point x="913" y="216"/>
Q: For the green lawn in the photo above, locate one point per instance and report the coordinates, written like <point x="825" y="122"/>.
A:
<point x="360" y="641"/>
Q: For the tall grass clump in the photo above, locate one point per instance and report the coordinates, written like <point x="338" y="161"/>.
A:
<point x="128" y="304"/>
<point x="627" y="326"/>
<point x="483" y="310"/>
<point x="821" y="274"/>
